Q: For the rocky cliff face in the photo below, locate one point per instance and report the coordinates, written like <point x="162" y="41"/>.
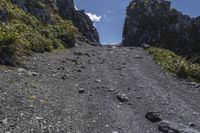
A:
<point x="80" y="20"/>
<point x="42" y="10"/>
<point x="155" y="23"/>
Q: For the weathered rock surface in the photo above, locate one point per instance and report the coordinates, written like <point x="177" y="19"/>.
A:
<point x="153" y="116"/>
<point x="80" y="20"/>
<point x="122" y="97"/>
<point x="155" y="23"/>
<point x="41" y="9"/>
<point x="170" y="127"/>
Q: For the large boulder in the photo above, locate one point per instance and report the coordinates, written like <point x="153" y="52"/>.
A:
<point x="154" y="22"/>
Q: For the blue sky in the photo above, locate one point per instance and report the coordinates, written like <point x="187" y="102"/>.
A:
<point x="109" y="15"/>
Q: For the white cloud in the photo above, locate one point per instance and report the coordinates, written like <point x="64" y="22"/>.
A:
<point x="76" y="8"/>
<point x="94" y="17"/>
<point x="106" y="18"/>
<point x="110" y="12"/>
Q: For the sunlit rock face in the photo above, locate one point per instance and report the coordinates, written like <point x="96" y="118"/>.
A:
<point x="155" y="23"/>
<point x="80" y="20"/>
<point x="41" y="9"/>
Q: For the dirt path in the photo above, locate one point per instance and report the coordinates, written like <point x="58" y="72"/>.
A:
<point x="75" y="91"/>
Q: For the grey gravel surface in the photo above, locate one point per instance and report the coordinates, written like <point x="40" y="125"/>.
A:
<point x="77" y="91"/>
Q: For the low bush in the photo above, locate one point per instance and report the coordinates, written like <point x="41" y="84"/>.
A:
<point x="176" y="64"/>
<point x="23" y="33"/>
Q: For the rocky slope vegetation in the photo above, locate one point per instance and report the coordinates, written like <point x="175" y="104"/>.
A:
<point x="155" y="23"/>
<point x="28" y="26"/>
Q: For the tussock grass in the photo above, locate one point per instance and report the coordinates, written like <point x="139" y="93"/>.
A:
<point x="173" y="63"/>
<point x="22" y="33"/>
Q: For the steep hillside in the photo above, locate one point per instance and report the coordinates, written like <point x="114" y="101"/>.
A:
<point x="28" y="26"/>
<point x="155" y="23"/>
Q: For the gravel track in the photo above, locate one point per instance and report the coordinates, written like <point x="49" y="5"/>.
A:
<point x="44" y="96"/>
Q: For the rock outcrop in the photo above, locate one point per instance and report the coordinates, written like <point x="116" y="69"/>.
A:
<point x="154" y="22"/>
<point x="41" y="9"/>
<point x="80" y="20"/>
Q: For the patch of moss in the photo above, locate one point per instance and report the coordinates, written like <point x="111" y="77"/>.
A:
<point x="176" y="64"/>
<point x="23" y="33"/>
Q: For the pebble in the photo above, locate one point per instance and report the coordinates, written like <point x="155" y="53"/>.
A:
<point x="81" y="90"/>
<point x="122" y="97"/>
<point x="32" y="73"/>
<point x="5" y="121"/>
<point x="111" y="90"/>
<point x="64" y="77"/>
<point x="153" y="116"/>
<point x="98" y="81"/>
<point x="106" y="125"/>
<point x="21" y="70"/>
<point x="191" y="124"/>
<point x="39" y="118"/>
<point x="79" y="70"/>
<point x="137" y="56"/>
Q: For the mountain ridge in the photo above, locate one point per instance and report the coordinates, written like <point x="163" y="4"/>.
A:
<point x="154" y="22"/>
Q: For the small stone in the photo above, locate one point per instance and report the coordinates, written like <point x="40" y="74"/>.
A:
<point x="81" y="90"/>
<point x="39" y="118"/>
<point x="130" y="103"/>
<point x="102" y="62"/>
<point x="138" y="57"/>
<point x="32" y="73"/>
<point x="106" y="125"/>
<point x="197" y="86"/>
<point x="153" y="116"/>
<point x="145" y="46"/>
<point x="83" y="67"/>
<point x="78" y="53"/>
<point x="122" y="97"/>
<point x="195" y="113"/>
<point x="21" y="70"/>
<point x="111" y="90"/>
<point x="191" y="124"/>
<point x="79" y="70"/>
<point x="98" y="81"/>
<point x="5" y="121"/>
<point x="115" y="132"/>
<point x="138" y="97"/>
<point x="64" y="77"/>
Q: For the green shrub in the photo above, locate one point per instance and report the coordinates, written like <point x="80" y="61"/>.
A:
<point x="176" y="64"/>
<point x="24" y="33"/>
<point x="9" y="49"/>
